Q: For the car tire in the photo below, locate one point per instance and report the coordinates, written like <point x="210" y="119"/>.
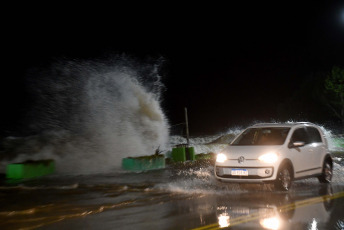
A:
<point x="327" y="171"/>
<point x="284" y="178"/>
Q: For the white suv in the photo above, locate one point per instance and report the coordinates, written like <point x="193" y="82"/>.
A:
<point x="276" y="153"/>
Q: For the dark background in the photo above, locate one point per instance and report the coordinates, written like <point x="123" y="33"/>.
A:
<point x="230" y="64"/>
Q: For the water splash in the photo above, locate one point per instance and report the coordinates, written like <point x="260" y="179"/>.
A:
<point x="88" y="115"/>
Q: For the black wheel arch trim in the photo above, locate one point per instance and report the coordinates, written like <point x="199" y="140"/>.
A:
<point x="287" y="162"/>
<point x="328" y="157"/>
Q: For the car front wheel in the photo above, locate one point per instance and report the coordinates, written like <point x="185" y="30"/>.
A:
<point x="284" y="179"/>
<point x="326" y="175"/>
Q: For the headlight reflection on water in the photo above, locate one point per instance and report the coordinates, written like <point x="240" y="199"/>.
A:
<point x="313" y="225"/>
<point x="270" y="223"/>
<point x="266" y="217"/>
<point x="223" y="220"/>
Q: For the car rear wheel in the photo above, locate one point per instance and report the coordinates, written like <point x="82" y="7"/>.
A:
<point x="326" y="175"/>
<point x="284" y="179"/>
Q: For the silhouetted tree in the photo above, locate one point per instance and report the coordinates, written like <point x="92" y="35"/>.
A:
<point x="334" y="91"/>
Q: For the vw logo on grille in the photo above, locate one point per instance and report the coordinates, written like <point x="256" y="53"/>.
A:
<point x="241" y="159"/>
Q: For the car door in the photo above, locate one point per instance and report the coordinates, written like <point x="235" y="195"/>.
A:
<point x="302" y="157"/>
<point x="317" y="148"/>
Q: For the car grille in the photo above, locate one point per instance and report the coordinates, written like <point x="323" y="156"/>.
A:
<point x="240" y="177"/>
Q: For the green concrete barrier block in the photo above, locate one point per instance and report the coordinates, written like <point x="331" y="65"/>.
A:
<point x="182" y="154"/>
<point x="30" y="169"/>
<point x="178" y="154"/>
<point x="190" y="153"/>
<point x="143" y="163"/>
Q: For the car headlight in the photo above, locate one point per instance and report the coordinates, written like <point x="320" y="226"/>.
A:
<point x="269" y="158"/>
<point x="221" y="158"/>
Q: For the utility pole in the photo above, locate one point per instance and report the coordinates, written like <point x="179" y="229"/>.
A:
<point x="187" y="126"/>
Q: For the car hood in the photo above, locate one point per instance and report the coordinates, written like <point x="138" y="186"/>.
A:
<point x="249" y="152"/>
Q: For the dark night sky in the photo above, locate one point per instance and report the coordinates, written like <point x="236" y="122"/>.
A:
<point x="228" y="64"/>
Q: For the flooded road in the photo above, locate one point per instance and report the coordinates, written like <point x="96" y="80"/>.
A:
<point x="168" y="199"/>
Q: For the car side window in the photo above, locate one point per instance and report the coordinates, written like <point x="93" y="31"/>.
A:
<point x="300" y="135"/>
<point x="314" y="135"/>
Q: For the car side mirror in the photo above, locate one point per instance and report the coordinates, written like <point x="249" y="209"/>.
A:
<point x="296" y="144"/>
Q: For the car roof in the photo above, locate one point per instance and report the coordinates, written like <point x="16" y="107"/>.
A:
<point x="287" y="124"/>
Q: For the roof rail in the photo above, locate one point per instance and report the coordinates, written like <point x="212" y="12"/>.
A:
<point x="291" y="123"/>
<point x="264" y="124"/>
<point x="304" y="123"/>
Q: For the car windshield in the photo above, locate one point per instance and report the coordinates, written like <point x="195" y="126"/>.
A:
<point x="262" y="136"/>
